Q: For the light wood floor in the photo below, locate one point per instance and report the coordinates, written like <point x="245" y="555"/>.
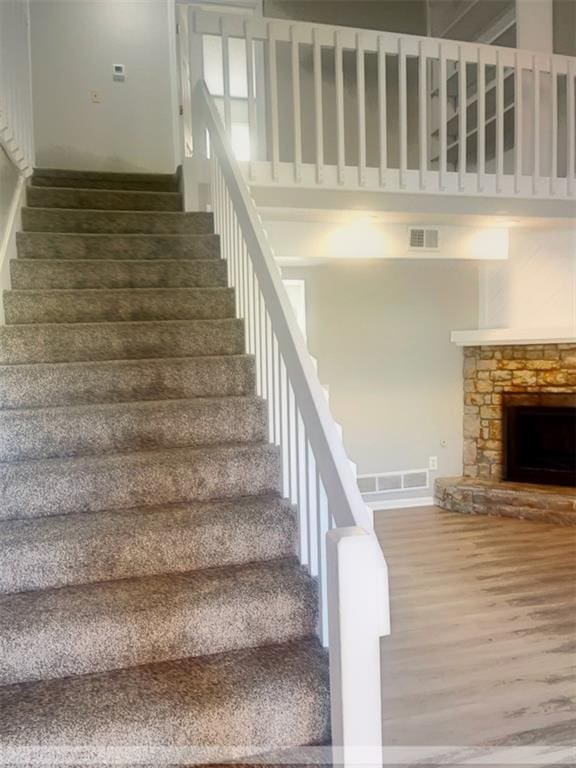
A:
<point x="483" y="648"/>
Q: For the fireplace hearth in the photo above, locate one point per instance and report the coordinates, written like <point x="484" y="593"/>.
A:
<point x="539" y="438"/>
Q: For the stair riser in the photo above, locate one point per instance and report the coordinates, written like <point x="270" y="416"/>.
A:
<point x="148" y="478"/>
<point x="106" y="200"/>
<point x="78" y="549"/>
<point x="39" y="275"/>
<point x="44" y="245"/>
<point x="114" y="222"/>
<point x="151" y="620"/>
<point x="119" y="341"/>
<point x="140" y="182"/>
<point x="121" y="381"/>
<point x="58" y="433"/>
<point x="86" y="306"/>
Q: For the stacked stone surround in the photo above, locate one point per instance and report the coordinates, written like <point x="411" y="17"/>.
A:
<point x="492" y="371"/>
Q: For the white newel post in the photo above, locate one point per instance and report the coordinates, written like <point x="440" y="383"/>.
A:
<point x="358" y="616"/>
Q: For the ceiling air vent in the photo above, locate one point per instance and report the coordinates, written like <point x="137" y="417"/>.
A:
<point x="422" y="239"/>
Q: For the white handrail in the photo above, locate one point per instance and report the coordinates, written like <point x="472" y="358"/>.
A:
<point x="16" y="121"/>
<point x="337" y="542"/>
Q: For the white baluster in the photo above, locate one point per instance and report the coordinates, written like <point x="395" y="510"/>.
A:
<point x="361" y="102"/>
<point x="554" y="142"/>
<point x="297" y="121"/>
<point x="403" y="112"/>
<point x="422" y="112"/>
<point x="443" y="118"/>
<point x="570" y="132"/>
<point x="499" y="121"/>
<point x="273" y="89"/>
<point x="518" y="127"/>
<point x="226" y="74"/>
<point x="462" y="109"/>
<point x="536" y="125"/>
<point x="481" y="78"/>
<point x="339" y="83"/>
<point x="319" y="111"/>
<point x="252" y="123"/>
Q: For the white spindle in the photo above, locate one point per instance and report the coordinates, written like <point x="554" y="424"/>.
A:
<point x="361" y="102"/>
<point x="422" y="113"/>
<point x="226" y="74"/>
<point x="252" y="123"/>
<point x="297" y="122"/>
<point x="403" y="112"/>
<point x="462" y="109"/>
<point x="443" y="117"/>
<point x="273" y="89"/>
<point x="319" y="112"/>
<point x="323" y="527"/>
<point x="518" y="119"/>
<point x="535" y="124"/>
<point x="311" y="506"/>
<point x="554" y="141"/>
<point x="382" y="111"/>
<point x="339" y="81"/>
<point x="499" y="121"/>
<point x="481" y="102"/>
<point x="570" y="132"/>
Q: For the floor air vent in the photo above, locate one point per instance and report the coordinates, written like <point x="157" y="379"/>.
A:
<point x="390" y="482"/>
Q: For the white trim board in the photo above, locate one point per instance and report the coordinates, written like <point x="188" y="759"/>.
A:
<point x="507" y="336"/>
<point x="381" y="506"/>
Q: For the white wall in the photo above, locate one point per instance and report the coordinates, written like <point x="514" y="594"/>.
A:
<point x="74" y="47"/>
<point x="380" y="330"/>
<point x="536" y="287"/>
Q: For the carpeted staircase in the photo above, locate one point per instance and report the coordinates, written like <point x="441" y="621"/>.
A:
<point x="150" y="591"/>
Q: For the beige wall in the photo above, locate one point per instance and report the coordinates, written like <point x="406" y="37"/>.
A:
<point x="381" y="333"/>
<point x="74" y="48"/>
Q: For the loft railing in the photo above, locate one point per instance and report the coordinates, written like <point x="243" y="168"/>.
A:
<point x="337" y="107"/>
<point x="336" y="541"/>
<point x="16" y="126"/>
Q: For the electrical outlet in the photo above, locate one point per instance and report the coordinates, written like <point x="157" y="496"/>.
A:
<point x="433" y="462"/>
<point x="96" y="97"/>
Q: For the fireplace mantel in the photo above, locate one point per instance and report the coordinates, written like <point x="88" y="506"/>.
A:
<point x="486" y="337"/>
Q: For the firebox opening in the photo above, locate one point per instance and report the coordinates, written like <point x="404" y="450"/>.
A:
<point x="540" y="439"/>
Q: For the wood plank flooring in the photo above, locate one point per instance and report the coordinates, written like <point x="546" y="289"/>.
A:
<point x="483" y="644"/>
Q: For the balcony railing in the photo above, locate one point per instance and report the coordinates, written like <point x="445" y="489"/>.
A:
<point x="336" y="107"/>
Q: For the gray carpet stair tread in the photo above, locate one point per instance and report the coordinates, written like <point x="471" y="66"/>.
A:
<point x="103" y="199"/>
<point x="266" y="697"/>
<point x="63" y="177"/>
<point x="95" y="429"/>
<point x="69" y="342"/>
<point x="124" y="480"/>
<point x="80" y="630"/>
<point x="59" y="245"/>
<point x="85" y="547"/>
<point x="90" y="305"/>
<point x="38" y="385"/>
<point x="116" y="222"/>
<point x="38" y="274"/>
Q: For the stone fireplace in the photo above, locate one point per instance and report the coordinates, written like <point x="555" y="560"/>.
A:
<point x="519" y="433"/>
<point x="494" y="373"/>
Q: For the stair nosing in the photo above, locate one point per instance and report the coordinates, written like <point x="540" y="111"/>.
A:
<point x="108" y="211"/>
